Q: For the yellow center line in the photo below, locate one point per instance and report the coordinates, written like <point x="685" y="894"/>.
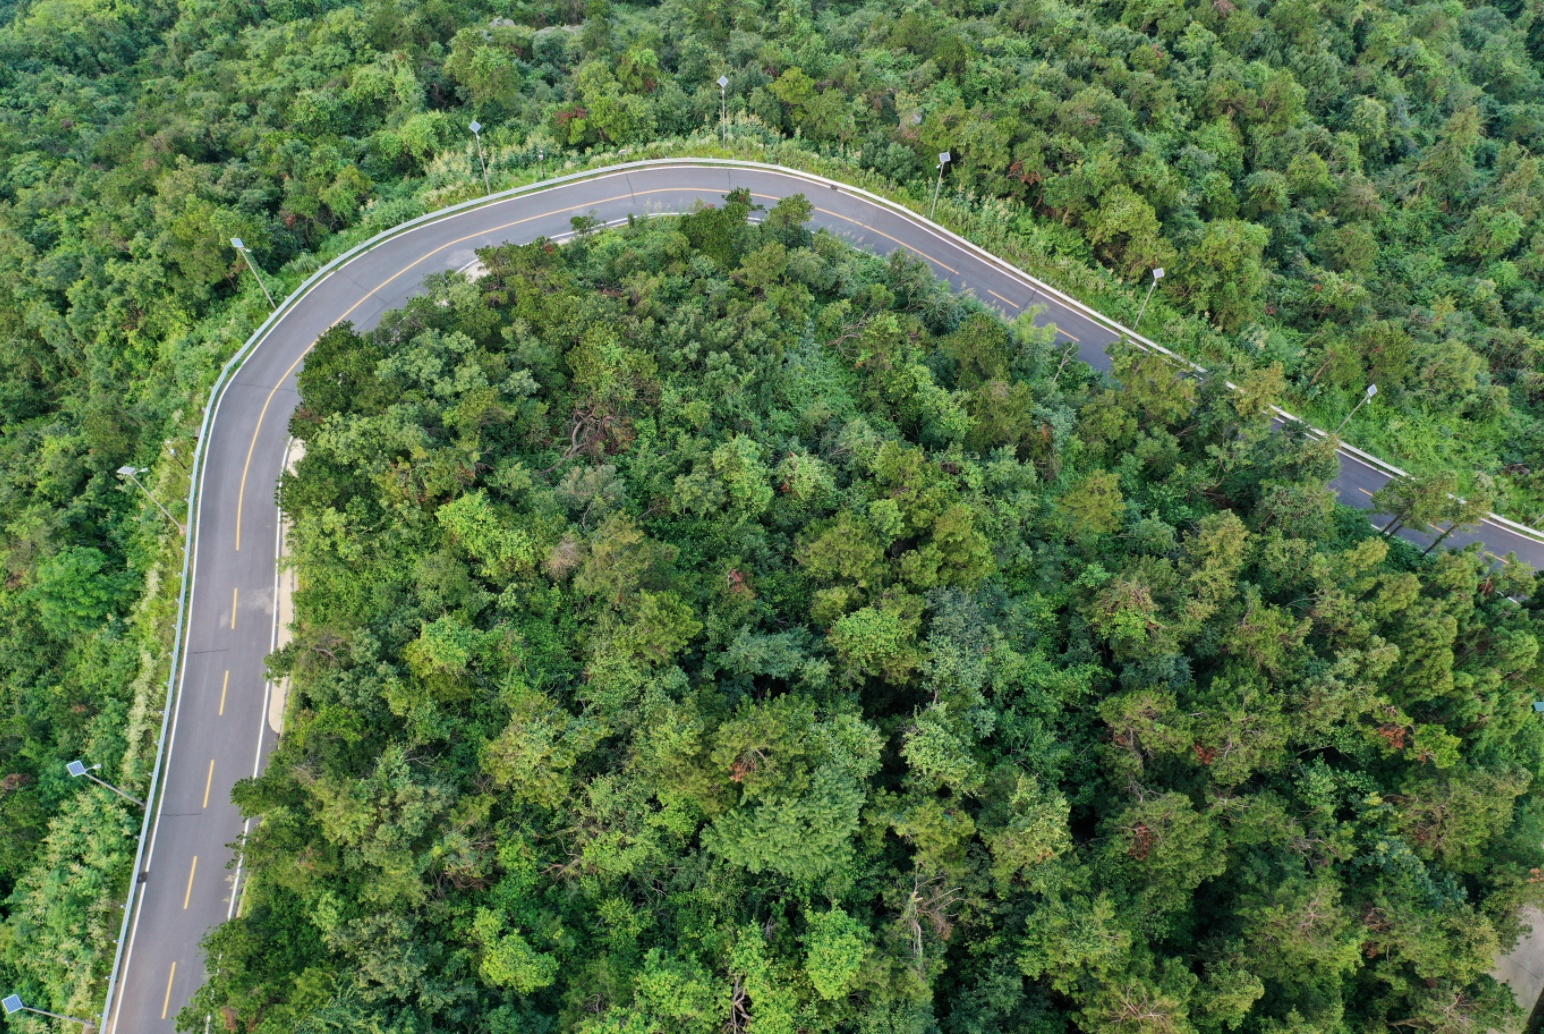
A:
<point x="166" y="1003"/>
<point x="241" y="493"/>
<point x="1000" y="298"/>
<point x="1499" y="559"/>
<point x="1064" y="333"/>
<point x="886" y="236"/>
<point x="208" y="782"/>
<point x="224" y="685"/>
<point x="188" y="894"/>
<point x="1364" y="491"/>
<point x="233" y="606"/>
<point x="866" y="226"/>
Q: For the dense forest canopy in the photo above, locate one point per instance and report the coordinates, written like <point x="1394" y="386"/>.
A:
<point x="704" y="626"/>
<point x="1349" y="190"/>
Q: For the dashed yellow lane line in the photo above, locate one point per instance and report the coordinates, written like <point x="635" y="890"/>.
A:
<point x="187" y="895"/>
<point x="1000" y="298"/>
<point x="224" y="685"/>
<point x="1364" y="491"/>
<point x="166" y="1003"/>
<point x="1066" y="333"/>
<point x="208" y="782"/>
<point x="848" y="219"/>
<point x="233" y="606"/>
<point x="241" y="493"/>
<point x="886" y="236"/>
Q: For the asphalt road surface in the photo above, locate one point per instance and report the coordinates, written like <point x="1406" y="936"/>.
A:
<point x="219" y="733"/>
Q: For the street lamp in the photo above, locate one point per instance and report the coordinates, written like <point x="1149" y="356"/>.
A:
<point x="236" y="243"/>
<point x="943" y="159"/>
<point x="130" y="472"/>
<point x="1372" y="389"/>
<point x="723" y="100"/>
<point x="1157" y="276"/>
<point x="78" y="769"/>
<point x="541" y="161"/>
<point x="12" y="1003"/>
<point x="476" y="128"/>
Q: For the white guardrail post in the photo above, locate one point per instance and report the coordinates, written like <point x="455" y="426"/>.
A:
<point x="234" y="364"/>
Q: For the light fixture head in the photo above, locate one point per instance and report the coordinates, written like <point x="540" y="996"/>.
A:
<point x="476" y="126"/>
<point x="236" y="243"/>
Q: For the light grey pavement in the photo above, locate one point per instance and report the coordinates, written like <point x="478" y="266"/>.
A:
<point x="219" y="732"/>
<point x="1522" y="968"/>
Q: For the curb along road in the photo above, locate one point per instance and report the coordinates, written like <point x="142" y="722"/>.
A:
<point x="216" y="730"/>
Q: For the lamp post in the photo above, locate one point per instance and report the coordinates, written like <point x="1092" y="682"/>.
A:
<point x="12" y="1003"/>
<point x="1157" y="276"/>
<point x="476" y="128"/>
<point x="943" y="159"/>
<point x="541" y="161"/>
<point x="723" y="101"/>
<point x="78" y="769"/>
<point x="175" y="454"/>
<point x="1372" y="389"/>
<point x="130" y="472"/>
<point x="236" y="243"/>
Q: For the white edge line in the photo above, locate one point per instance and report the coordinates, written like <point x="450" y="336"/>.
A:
<point x="234" y="364"/>
<point x="171" y="710"/>
<point x="273" y="644"/>
<point x="111" y="1005"/>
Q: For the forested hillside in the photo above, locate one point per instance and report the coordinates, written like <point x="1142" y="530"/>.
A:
<point x="1349" y="190"/>
<point x="708" y="627"/>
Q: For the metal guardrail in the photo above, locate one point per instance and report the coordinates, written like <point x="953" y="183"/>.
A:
<point x="236" y="361"/>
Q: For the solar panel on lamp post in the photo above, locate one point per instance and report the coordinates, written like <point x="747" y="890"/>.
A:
<point x="13" y="1003"/>
<point x="476" y="128"/>
<point x="129" y="472"/>
<point x="943" y="159"/>
<point x="78" y="769"/>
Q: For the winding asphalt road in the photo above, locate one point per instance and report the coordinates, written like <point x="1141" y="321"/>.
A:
<point x="219" y="732"/>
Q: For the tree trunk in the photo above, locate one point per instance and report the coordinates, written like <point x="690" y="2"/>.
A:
<point x="1450" y="529"/>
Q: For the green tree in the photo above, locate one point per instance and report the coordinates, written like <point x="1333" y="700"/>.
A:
<point x="1222" y="273"/>
<point x="835" y="948"/>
